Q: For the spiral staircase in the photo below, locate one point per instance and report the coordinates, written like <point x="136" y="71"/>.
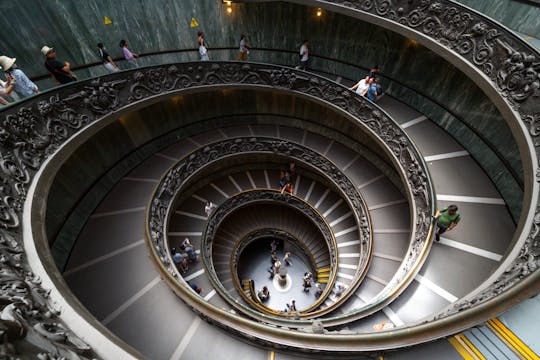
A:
<point x="128" y="283"/>
<point x="369" y="178"/>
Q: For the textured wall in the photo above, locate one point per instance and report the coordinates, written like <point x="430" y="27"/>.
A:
<point x="516" y="15"/>
<point x="74" y="27"/>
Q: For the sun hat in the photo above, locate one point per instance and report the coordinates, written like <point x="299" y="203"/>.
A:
<point x="45" y="50"/>
<point x="6" y="62"/>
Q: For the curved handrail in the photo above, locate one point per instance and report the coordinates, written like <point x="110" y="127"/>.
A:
<point x="257" y="196"/>
<point x="421" y="195"/>
<point x="520" y="275"/>
<point x="502" y="65"/>
<point x="293" y="54"/>
<point x="185" y="171"/>
<point x="75" y="109"/>
<point x="253" y="236"/>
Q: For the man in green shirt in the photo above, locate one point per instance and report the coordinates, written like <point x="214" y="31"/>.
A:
<point x="447" y="219"/>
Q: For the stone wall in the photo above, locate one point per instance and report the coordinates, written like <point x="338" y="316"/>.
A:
<point x="74" y="28"/>
<point x="516" y="15"/>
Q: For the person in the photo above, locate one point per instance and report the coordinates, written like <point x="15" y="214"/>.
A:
<point x="183" y="265"/>
<point x="361" y="86"/>
<point x="195" y="288"/>
<point x="308" y="275"/>
<point x="186" y="243"/>
<point x="5" y="89"/>
<point x="17" y="79"/>
<point x="371" y="92"/>
<point x="273" y="257"/>
<point x="307" y="284"/>
<point x="273" y="246"/>
<point x="385" y="325"/>
<point x="192" y="254"/>
<point x="244" y="49"/>
<point x="180" y="260"/>
<point x="277" y="266"/>
<point x="374" y="71"/>
<point x="287" y="188"/>
<point x="287" y="258"/>
<point x="379" y="87"/>
<point x="304" y="55"/>
<point x="176" y="256"/>
<point x="338" y="290"/>
<point x="319" y="290"/>
<point x="272" y="271"/>
<point x="203" y="50"/>
<point x="209" y="207"/>
<point x="106" y="59"/>
<point x="60" y="70"/>
<point x="292" y="169"/>
<point x="447" y="219"/>
<point x="128" y="55"/>
<point x="282" y="179"/>
<point x="264" y="294"/>
<point x="292" y="306"/>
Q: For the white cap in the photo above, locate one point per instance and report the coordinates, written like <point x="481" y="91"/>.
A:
<point x="6" y="62"/>
<point x="45" y="50"/>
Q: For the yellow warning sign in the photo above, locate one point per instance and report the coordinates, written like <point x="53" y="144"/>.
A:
<point x="107" y="21"/>
<point x="194" y="22"/>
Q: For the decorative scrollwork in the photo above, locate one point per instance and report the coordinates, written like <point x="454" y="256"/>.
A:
<point x="173" y="181"/>
<point x="512" y="66"/>
<point x="263" y="196"/>
<point x="34" y="129"/>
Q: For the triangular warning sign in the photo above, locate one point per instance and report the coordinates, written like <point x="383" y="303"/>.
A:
<point x="107" y="21"/>
<point x="194" y="22"/>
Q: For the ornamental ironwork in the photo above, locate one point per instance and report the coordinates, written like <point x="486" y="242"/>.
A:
<point x="508" y="63"/>
<point x="252" y="197"/>
<point x="34" y="130"/>
<point x="185" y="170"/>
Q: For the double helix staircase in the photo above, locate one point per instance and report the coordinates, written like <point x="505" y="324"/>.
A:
<point x="109" y="270"/>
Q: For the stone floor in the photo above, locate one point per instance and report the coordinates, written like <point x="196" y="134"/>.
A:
<point x="256" y="265"/>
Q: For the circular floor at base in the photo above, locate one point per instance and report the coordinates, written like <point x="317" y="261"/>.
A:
<point x="256" y="266"/>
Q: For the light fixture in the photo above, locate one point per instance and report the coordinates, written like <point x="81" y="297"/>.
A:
<point x="229" y="6"/>
<point x="412" y="43"/>
<point x="319" y="12"/>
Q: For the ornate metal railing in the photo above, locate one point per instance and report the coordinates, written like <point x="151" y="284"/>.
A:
<point x="264" y="54"/>
<point x="172" y="183"/>
<point x="301" y="250"/>
<point x="258" y="196"/>
<point x="186" y="170"/>
<point x="38" y="128"/>
<point x="503" y="65"/>
<point x="506" y="68"/>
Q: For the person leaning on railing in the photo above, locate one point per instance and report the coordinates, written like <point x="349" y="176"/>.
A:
<point x="106" y="59"/>
<point x="60" y="70"/>
<point x="16" y="78"/>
